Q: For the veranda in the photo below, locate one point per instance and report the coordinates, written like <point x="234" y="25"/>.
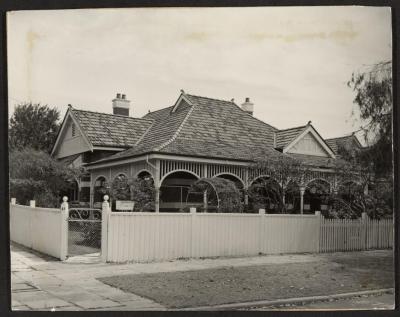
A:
<point x="173" y="177"/>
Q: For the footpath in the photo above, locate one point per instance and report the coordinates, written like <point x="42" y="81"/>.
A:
<point x="44" y="283"/>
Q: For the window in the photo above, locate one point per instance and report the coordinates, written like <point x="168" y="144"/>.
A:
<point x="73" y="129"/>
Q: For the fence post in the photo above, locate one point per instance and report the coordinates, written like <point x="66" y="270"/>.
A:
<point x="64" y="228"/>
<point x="13" y="201"/>
<point x="105" y="214"/>
<point x="319" y="230"/>
<point x="193" y="226"/>
<point x="364" y="222"/>
<point x="32" y="203"/>
<point x="261" y="228"/>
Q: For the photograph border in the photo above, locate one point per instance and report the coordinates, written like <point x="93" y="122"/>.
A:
<point x="9" y="5"/>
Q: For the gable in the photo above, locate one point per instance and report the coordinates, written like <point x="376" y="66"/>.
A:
<point x="309" y="145"/>
<point x="71" y="141"/>
<point x="182" y="103"/>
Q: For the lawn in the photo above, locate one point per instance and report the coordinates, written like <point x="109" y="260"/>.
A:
<point x="331" y="274"/>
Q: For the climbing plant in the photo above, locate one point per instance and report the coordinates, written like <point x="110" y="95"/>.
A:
<point x="222" y="195"/>
<point x="140" y="190"/>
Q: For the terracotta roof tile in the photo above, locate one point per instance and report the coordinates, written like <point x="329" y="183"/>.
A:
<point x="110" y="130"/>
<point x="284" y="137"/>
<point x="335" y="143"/>
<point x="211" y="127"/>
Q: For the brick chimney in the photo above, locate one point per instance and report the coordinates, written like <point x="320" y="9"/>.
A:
<point x="121" y="105"/>
<point x="248" y="106"/>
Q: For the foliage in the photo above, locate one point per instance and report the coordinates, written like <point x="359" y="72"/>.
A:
<point x="283" y="175"/>
<point x="373" y="88"/>
<point x="120" y="188"/>
<point x="141" y="191"/>
<point x="222" y="194"/>
<point x="357" y="168"/>
<point x="35" y="175"/>
<point x="34" y="126"/>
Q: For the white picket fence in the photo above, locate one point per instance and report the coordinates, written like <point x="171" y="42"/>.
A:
<point x="355" y="234"/>
<point x="145" y="237"/>
<point x="40" y="229"/>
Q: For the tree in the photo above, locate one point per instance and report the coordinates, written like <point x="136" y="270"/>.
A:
<point x="284" y="173"/>
<point x="34" y="126"/>
<point x="372" y="164"/>
<point x="35" y="175"/>
<point x="374" y="99"/>
<point x="357" y="171"/>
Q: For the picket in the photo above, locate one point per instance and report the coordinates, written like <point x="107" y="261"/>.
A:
<point x="355" y="234"/>
<point x="145" y="237"/>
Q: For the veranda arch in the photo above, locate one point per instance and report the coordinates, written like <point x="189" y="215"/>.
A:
<point x="174" y="188"/>
<point x="217" y="195"/>
<point x="263" y="195"/>
<point x="316" y="195"/>
<point x="232" y="177"/>
<point x="99" y="189"/>
<point x="119" y="189"/>
<point x="143" y="172"/>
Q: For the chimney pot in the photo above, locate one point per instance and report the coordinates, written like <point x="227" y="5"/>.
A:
<point x="248" y="106"/>
<point x="121" y="105"/>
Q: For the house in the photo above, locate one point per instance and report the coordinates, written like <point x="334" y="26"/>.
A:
<point x="197" y="137"/>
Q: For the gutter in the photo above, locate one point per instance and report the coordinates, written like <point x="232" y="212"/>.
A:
<point x="290" y="301"/>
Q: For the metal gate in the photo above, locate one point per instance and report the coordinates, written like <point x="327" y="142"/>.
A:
<point x="84" y="231"/>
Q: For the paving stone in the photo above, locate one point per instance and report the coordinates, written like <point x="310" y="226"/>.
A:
<point x="16" y="287"/>
<point x="16" y="267"/>
<point x="68" y="308"/>
<point x="46" y="282"/>
<point x="75" y="297"/>
<point x="90" y="304"/>
<point x="142" y="304"/>
<point x="15" y="303"/>
<point x="47" y="304"/>
<point x="27" y="269"/>
<point x="22" y="307"/>
<point x="122" y="297"/>
<point x="126" y="308"/>
<point x="30" y="296"/>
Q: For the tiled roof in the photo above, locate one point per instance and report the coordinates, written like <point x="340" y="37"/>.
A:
<point x="109" y="130"/>
<point x="208" y="127"/>
<point x="224" y="130"/>
<point x="211" y="128"/>
<point x="335" y="143"/>
<point x="284" y="137"/>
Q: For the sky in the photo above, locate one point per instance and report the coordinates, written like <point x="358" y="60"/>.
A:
<point x="292" y="62"/>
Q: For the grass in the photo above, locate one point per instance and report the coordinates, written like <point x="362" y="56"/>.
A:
<point x="331" y="274"/>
